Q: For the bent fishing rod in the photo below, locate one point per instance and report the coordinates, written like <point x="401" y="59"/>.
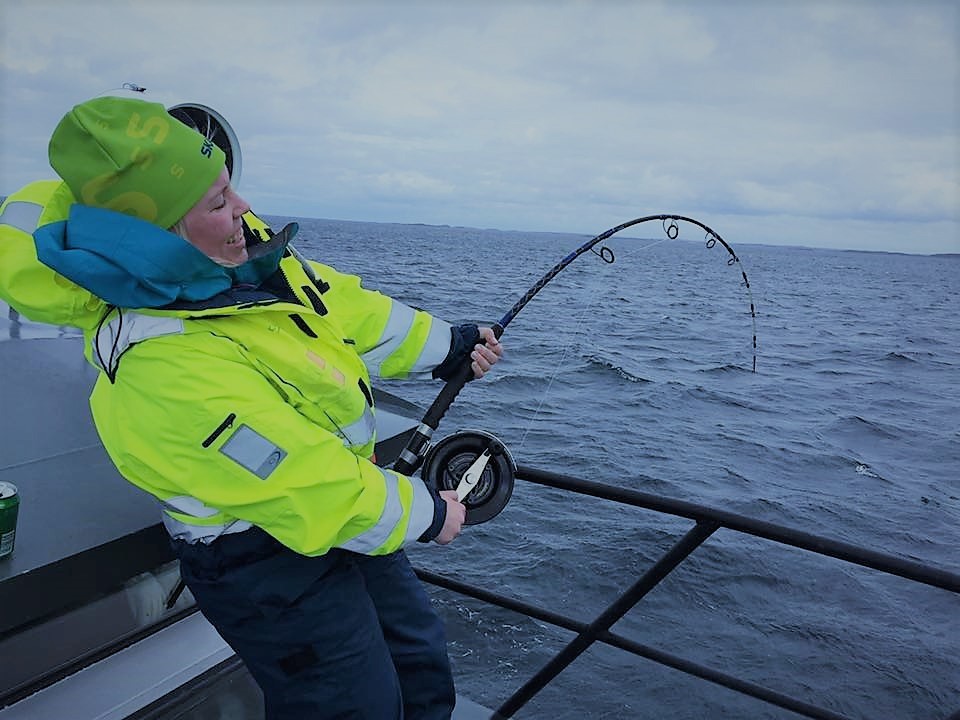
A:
<point x="473" y="463"/>
<point x="412" y="455"/>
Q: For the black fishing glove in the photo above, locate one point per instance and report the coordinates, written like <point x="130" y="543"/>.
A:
<point x="463" y="338"/>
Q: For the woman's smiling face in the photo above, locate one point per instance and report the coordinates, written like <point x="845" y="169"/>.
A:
<point x="213" y="225"/>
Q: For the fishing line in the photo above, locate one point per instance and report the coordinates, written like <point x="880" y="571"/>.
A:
<point x="553" y="376"/>
<point x="412" y="456"/>
<point x="605" y="254"/>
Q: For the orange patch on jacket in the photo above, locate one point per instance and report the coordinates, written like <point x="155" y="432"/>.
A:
<point x="322" y="364"/>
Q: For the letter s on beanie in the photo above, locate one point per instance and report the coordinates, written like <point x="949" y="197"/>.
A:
<point x="131" y="156"/>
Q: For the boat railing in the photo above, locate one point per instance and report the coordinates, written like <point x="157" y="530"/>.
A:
<point x="707" y="521"/>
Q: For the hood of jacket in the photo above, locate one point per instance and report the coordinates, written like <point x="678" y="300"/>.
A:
<point x="131" y="263"/>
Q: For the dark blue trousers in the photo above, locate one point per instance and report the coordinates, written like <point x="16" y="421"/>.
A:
<point x="343" y="635"/>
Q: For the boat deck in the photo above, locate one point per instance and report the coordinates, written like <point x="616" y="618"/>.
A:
<point x="74" y="506"/>
<point x="150" y="679"/>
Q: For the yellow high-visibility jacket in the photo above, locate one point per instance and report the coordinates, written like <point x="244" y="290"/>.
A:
<point x="250" y="407"/>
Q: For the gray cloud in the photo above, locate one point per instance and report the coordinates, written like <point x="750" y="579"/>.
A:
<point x="805" y="123"/>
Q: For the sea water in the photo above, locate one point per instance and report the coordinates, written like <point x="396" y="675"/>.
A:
<point x="638" y="374"/>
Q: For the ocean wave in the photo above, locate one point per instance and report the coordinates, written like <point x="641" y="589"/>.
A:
<point x="702" y="393"/>
<point x="829" y="372"/>
<point x="900" y="357"/>
<point x="598" y="362"/>
<point x="723" y="369"/>
<point x="855" y="425"/>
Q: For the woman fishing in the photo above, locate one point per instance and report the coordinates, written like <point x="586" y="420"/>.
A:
<point x="235" y="388"/>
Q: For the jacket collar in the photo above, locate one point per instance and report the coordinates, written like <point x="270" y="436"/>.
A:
<point x="134" y="264"/>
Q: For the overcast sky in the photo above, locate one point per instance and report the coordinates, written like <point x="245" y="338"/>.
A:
<point x="824" y="124"/>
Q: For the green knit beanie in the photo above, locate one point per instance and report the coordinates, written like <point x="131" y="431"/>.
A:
<point x="130" y="156"/>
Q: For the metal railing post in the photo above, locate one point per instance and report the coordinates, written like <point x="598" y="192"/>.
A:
<point x="620" y="607"/>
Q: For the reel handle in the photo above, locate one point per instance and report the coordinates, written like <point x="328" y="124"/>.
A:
<point x="448" y="462"/>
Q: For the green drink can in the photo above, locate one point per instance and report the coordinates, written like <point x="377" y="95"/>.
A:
<point x="9" y="506"/>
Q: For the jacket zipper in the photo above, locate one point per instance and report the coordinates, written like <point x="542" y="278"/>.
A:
<point x="227" y="422"/>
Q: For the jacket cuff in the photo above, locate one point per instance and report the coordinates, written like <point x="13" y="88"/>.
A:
<point x="439" y="517"/>
<point x="463" y="338"/>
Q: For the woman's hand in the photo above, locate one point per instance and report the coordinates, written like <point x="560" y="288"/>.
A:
<point x="486" y="354"/>
<point x="456" y="514"/>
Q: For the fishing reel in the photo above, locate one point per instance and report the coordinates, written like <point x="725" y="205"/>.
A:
<point x="478" y="466"/>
